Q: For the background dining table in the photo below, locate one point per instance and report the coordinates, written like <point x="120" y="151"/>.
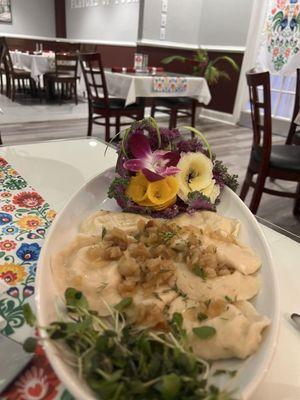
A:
<point x="130" y="86"/>
<point x="36" y="64"/>
<point x="54" y="170"/>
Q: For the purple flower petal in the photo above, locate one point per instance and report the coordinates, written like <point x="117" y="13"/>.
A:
<point x="171" y="171"/>
<point x="173" y="158"/>
<point x="151" y="176"/>
<point x="135" y="164"/>
<point x="139" y="146"/>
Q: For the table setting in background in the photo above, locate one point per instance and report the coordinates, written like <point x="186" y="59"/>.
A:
<point x="37" y="182"/>
<point x="37" y="63"/>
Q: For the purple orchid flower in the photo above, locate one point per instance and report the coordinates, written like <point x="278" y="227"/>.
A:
<point x="155" y="165"/>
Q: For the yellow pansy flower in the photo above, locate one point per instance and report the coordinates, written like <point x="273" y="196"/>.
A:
<point x="159" y="194"/>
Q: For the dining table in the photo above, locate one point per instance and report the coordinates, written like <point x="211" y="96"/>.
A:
<point x="133" y="85"/>
<point x="34" y="62"/>
<point x="37" y="181"/>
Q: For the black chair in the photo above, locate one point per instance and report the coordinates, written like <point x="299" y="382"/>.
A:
<point x="175" y="107"/>
<point x="101" y="107"/>
<point x="65" y="75"/>
<point x="275" y="162"/>
<point x="13" y="74"/>
<point x="294" y="131"/>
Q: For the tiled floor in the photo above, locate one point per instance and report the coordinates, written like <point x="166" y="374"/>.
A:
<point x="28" y="121"/>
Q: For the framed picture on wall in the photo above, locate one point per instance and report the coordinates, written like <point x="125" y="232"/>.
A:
<point x="5" y="11"/>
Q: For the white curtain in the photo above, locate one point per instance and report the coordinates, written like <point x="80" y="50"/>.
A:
<point x="280" y="43"/>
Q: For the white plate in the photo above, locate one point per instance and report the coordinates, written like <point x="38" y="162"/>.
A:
<point x="93" y="196"/>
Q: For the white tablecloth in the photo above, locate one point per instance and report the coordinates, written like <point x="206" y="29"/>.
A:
<point x="37" y="65"/>
<point x="130" y="86"/>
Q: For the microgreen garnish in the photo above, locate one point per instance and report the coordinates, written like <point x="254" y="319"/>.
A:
<point x="120" y="362"/>
<point x="204" y="332"/>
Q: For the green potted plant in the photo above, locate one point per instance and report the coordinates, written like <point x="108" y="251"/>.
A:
<point x="205" y="67"/>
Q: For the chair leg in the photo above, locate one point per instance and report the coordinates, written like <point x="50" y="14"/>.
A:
<point x="193" y="116"/>
<point x="246" y="185"/>
<point x="173" y="118"/>
<point x="117" y="125"/>
<point x="1" y="83"/>
<point x="90" y="124"/>
<point x="296" y="210"/>
<point x="258" y="191"/>
<point x="153" y="110"/>
<point x="107" y="129"/>
<point x="13" y="92"/>
<point x="75" y="92"/>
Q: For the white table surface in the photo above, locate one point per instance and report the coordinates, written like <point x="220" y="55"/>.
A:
<point x="36" y="64"/>
<point x="56" y="169"/>
<point x="130" y="86"/>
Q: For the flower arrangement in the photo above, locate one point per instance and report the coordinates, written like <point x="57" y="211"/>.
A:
<point x="162" y="172"/>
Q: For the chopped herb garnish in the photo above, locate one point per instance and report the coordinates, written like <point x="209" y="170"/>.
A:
<point x="231" y="373"/>
<point x="104" y="232"/>
<point x="199" y="271"/>
<point x="204" y="332"/>
<point x="201" y="316"/>
<point x="166" y="236"/>
<point x="207" y="302"/>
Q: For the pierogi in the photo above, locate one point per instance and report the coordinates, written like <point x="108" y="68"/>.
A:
<point x="192" y="265"/>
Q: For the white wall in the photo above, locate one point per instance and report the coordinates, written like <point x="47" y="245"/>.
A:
<point x="199" y="22"/>
<point x="31" y="17"/>
<point x="224" y="22"/>
<point x="182" y="20"/>
<point x="114" y="22"/>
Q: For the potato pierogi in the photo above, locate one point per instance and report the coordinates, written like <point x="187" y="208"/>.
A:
<point x="193" y="265"/>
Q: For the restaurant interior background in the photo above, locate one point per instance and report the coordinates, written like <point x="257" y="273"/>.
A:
<point x="120" y="28"/>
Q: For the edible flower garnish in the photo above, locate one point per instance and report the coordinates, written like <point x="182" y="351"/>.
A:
<point x="162" y="172"/>
<point x="154" y="165"/>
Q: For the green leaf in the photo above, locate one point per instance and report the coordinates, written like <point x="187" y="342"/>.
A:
<point x="126" y="302"/>
<point x="29" y="316"/>
<point x="2" y="253"/>
<point x="170" y="386"/>
<point x="30" y="345"/>
<point x="204" y="332"/>
<point x="75" y="298"/>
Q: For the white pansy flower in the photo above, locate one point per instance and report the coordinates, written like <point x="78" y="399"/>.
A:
<point x="196" y="175"/>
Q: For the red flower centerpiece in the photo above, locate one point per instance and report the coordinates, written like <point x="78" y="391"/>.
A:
<point x="162" y="172"/>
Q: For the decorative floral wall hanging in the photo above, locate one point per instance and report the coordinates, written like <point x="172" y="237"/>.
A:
<point x="279" y="51"/>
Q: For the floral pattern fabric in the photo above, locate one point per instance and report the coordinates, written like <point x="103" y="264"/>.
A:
<point x="167" y="84"/>
<point x="279" y="51"/>
<point x="24" y="220"/>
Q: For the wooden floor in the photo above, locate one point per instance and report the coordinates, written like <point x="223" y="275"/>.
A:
<point x="230" y="143"/>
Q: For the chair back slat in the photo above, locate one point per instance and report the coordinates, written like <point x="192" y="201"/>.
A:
<point x="94" y="77"/>
<point x="66" y="64"/>
<point x="260" y="103"/>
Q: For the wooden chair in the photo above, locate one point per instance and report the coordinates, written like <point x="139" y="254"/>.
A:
<point x="275" y="162"/>
<point x="101" y="107"/>
<point x="65" y="75"/>
<point x="14" y="74"/>
<point x="294" y="131"/>
<point x="172" y="106"/>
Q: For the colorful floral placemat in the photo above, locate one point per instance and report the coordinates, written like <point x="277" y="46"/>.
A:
<point x="24" y="220"/>
<point x="167" y="84"/>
